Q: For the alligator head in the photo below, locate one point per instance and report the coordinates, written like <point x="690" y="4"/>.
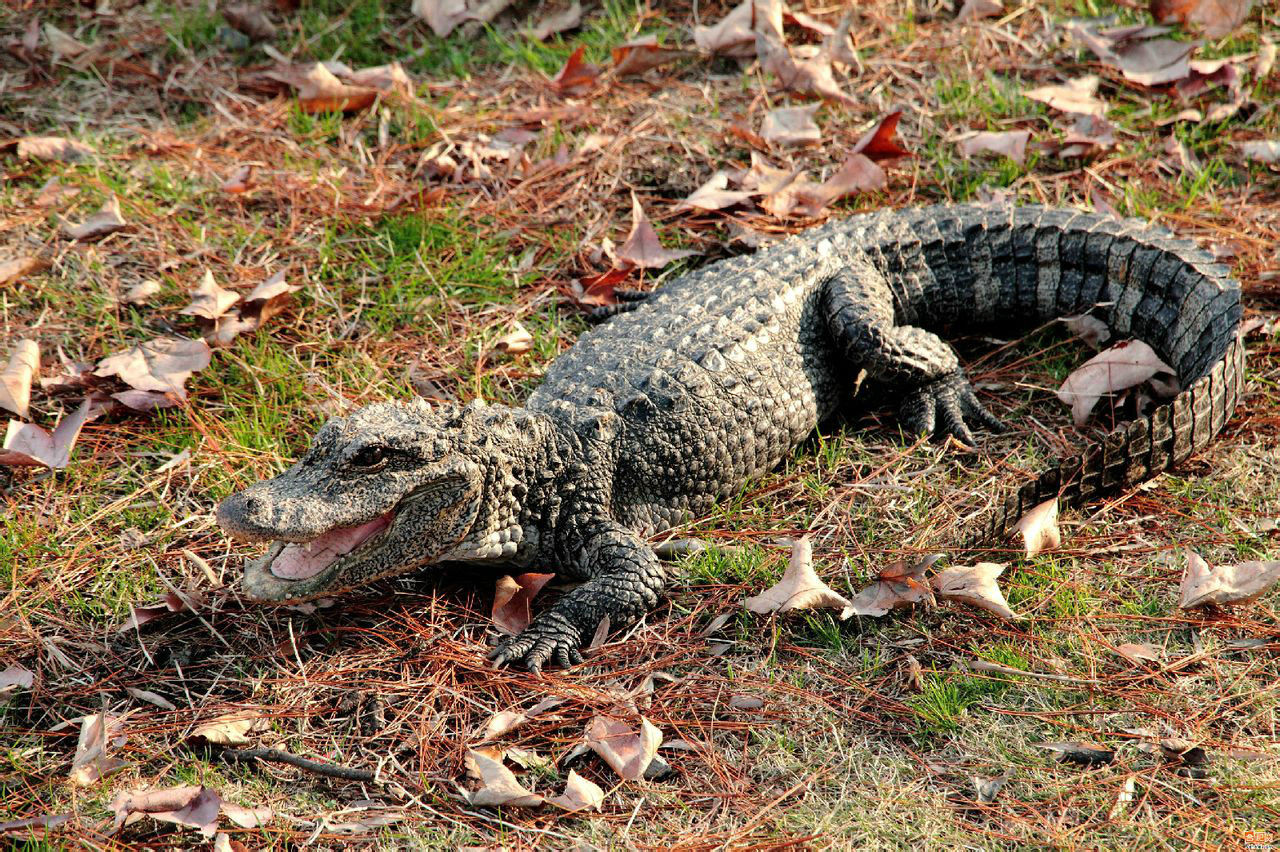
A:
<point x="385" y="490"/>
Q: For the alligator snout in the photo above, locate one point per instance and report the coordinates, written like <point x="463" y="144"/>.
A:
<point x="241" y="517"/>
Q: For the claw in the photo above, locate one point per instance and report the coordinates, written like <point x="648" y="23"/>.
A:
<point x="947" y="407"/>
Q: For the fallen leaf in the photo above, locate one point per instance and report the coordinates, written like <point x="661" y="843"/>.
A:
<point x="1224" y="584"/>
<point x="1185" y="159"/>
<point x="879" y="143"/>
<point x="579" y="794"/>
<point x="511" y="600"/>
<point x="1128" y="363"/>
<point x="63" y="44"/>
<point x="1260" y="150"/>
<point x="799" y="588"/>
<point x="498" y="785"/>
<point x="598" y="290"/>
<point x="251" y="20"/>
<point x="141" y="292"/>
<point x="188" y="805"/>
<point x="1266" y="61"/>
<point x="232" y="729"/>
<point x="26" y="444"/>
<point x="643" y="54"/>
<point x="642" y="247"/>
<point x="810" y="76"/>
<point x="503" y="722"/>
<point x="106" y="221"/>
<point x="856" y="174"/>
<point x="208" y="300"/>
<point x="1088" y="328"/>
<point x="558" y="22"/>
<point x="1138" y="652"/>
<point x="15" y="381"/>
<point x="745" y="702"/>
<point x="1039" y="528"/>
<point x="151" y="698"/>
<point x="12" y="270"/>
<point x="628" y="752"/>
<point x="318" y="90"/>
<point x="443" y="16"/>
<point x="1206" y="74"/>
<point x="1007" y="143"/>
<point x="16" y="677"/>
<point x="714" y="195"/>
<point x="1075" y="96"/>
<point x="988" y="788"/>
<point x="44" y="821"/>
<point x="515" y="342"/>
<point x="839" y="45"/>
<point x="267" y="299"/>
<point x="901" y="584"/>
<point x="1153" y="62"/>
<point x="163" y="364"/>
<point x="577" y="77"/>
<point x="803" y="19"/>
<point x="389" y="78"/>
<point x="975" y="585"/>
<point x="53" y="149"/>
<point x="1216" y="17"/>
<point x="972" y="10"/>
<point x="732" y="36"/>
<point x="247" y="817"/>
<point x="792" y="125"/>
<point x="239" y="181"/>
<point x="1088" y="754"/>
<point x="99" y="734"/>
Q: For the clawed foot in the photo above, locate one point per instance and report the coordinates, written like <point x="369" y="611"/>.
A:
<point x="550" y="638"/>
<point x="946" y="406"/>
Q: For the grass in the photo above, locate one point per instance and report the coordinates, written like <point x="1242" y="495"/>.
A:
<point x="870" y="730"/>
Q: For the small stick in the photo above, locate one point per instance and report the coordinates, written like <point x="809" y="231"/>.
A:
<point x="273" y="755"/>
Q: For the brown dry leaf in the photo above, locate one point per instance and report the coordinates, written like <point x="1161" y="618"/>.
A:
<point x="511" y="600"/>
<point x="27" y="445"/>
<point x="628" y="752"/>
<point x="879" y="143"/>
<point x="53" y="149"/>
<point x="1077" y="96"/>
<point x="1216" y="17"/>
<point x="799" y="588"/>
<point x="151" y="698"/>
<point x="1224" y="584"/>
<point x="142" y="291"/>
<point x="267" y="299"/>
<point x="233" y="728"/>
<point x="443" y="16"/>
<point x="642" y="54"/>
<point x="239" y="181"/>
<point x="807" y="21"/>
<point x="1085" y="754"/>
<point x="63" y="44"/>
<point x="972" y="10"/>
<point x="498" y="784"/>
<point x="732" y="36"/>
<point x="1266" y="61"/>
<point x="810" y="76"/>
<point x="557" y="22"/>
<point x="318" y="90"/>
<point x="1007" y="143"/>
<point x="1087" y="327"/>
<point x="1087" y="136"/>
<point x="390" y="78"/>
<point x="1039" y="528"/>
<point x="16" y="677"/>
<point x="251" y="20"/>
<point x="642" y="248"/>
<point x="899" y="585"/>
<point x="1207" y="74"/>
<point x="53" y="192"/>
<point x="1153" y="62"/>
<point x="1136" y="652"/>
<point x="856" y="174"/>
<point x="598" y="290"/>
<point x="839" y="45"/>
<point x="515" y="342"/>
<point x="1259" y="150"/>
<point x="107" y="220"/>
<point x="975" y="585"/>
<point x="208" y="300"/>
<point x="577" y="77"/>
<point x="188" y="805"/>
<point x="792" y="125"/>
<point x="247" y="817"/>
<point x="503" y="722"/>
<point x="714" y="195"/>
<point x="12" y="270"/>
<point x="140" y="615"/>
<point x="162" y="365"/>
<point x="15" y="381"/>
<point x="1128" y="363"/>
<point x="99" y="734"/>
<point x="579" y="794"/>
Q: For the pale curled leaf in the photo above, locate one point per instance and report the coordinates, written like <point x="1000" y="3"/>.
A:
<point x="1216" y="17"/>
<point x="188" y="805"/>
<point x="732" y="35"/>
<point x="974" y="585"/>
<point x="515" y="342"/>
<point x="557" y="22"/>
<point x="233" y="728"/>
<point x="53" y="148"/>
<point x="100" y="734"/>
<point x="107" y="220"/>
<point x="1128" y="363"/>
<point x="150" y="697"/>
<point x="498" y="785"/>
<point x="27" y="445"/>
<point x="162" y="365"/>
<point x="714" y="195"/>
<point x="1087" y="327"/>
<point x="1039" y="528"/>
<point x="1223" y="585"/>
<point x="899" y="585"/>
<point x="443" y="16"/>
<point x="512" y="598"/>
<point x="13" y="270"/>
<point x="792" y="125"/>
<point x="1008" y="143"/>
<point x="1262" y="150"/>
<point x="15" y="381"/>
<point x="972" y="10"/>
<point x="318" y="90"/>
<point x="208" y="300"/>
<point x="1137" y="652"/>
<point x="141" y="292"/>
<point x="579" y="794"/>
<point x="16" y="677"/>
<point x="1076" y="96"/>
<point x="642" y="247"/>
<point x="799" y="588"/>
<point x="627" y="751"/>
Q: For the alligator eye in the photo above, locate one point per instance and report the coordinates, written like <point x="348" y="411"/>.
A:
<point x="369" y="457"/>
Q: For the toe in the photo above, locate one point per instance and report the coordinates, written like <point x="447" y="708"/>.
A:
<point x="918" y="414"/>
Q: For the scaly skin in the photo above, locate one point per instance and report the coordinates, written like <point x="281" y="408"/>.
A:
<point x="682" y="397"/>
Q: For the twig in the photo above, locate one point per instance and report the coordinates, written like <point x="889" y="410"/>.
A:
<point x="273" y="755"/>
<point x="996" y="668"/>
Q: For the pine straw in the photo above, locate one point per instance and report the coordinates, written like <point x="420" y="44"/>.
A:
<point x="395" y="682"/>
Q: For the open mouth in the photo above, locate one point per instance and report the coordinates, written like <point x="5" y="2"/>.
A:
<point x="303" y="561"/>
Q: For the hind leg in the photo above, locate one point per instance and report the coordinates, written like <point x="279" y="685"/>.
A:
<point x="936" y="396"/>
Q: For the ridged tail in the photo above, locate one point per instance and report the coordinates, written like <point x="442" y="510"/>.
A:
<point x="970" y="265"/>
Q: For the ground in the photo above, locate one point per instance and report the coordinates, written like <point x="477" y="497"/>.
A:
<point x="780" y="730"/>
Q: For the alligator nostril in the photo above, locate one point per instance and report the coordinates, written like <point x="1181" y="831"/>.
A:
<point x="250" y="504"/>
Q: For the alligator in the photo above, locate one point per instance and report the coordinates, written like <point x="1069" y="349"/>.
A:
<point x="684" y="396"/>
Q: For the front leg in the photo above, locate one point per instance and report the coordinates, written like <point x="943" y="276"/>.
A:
<point x="625" y="581"/>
